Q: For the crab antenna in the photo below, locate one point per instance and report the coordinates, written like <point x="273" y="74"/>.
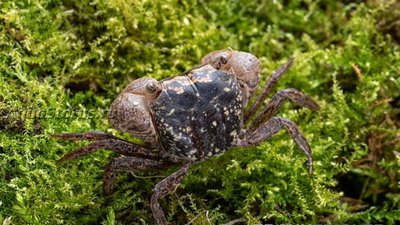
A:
<point x="270" y="84"/>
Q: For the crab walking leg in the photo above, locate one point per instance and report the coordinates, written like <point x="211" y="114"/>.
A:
<point x="276" y="102"/>
<point x="163" y="188"/>
<point x="92" y="136"/>
<point x="270" y="84"/>
<point x="128" y="163"/>
<point x="274" y="125"/>
<point x="115" y="145"/>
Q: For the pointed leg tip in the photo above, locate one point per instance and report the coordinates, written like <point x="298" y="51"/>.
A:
<point x="56" y="135"/>
<point x="310" y="104"/>
<point x="287" y="65"/>
<point x="290" y="61"/>
<point x="310" y="166"/>
<point x="69" y="156"/>
<point x="63" y="159"/>
<point x="108" y="183"/>
<point x="315" y="107"/>
<point x="107" y="191"/>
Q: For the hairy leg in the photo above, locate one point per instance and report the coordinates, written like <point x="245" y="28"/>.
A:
<point x="274" y="125"/>
<point x="276" y="102"/>
<point x="270" y="84"/>
<point x="92" y="136"/>
<point x="107" y="141"/>
<point x="163" y="188"/>
<point x="128" y="163"/>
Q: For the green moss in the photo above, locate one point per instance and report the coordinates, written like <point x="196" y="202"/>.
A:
<point x="60" y="56"/>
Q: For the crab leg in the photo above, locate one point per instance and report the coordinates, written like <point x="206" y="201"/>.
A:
<point x="163" y="188"/>
<point x="128" y="163"/>
<point x="276" y="102"/>
<point x="92" y="135"/>
<point x="115" y="145"/>
<point x="268" y="129"/>
<point x="270" y="84"/>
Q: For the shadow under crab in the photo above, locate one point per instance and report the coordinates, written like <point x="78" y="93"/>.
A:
<point x="192" y="117"/>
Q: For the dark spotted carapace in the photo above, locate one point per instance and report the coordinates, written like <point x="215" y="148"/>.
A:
<point x="198" y="115"/>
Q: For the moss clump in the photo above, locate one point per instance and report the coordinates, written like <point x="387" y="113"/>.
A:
<point x="58" y="58"/>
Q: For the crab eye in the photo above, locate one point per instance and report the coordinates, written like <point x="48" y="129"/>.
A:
<point x="223" y="59"/>
<point x="151" y="87"/>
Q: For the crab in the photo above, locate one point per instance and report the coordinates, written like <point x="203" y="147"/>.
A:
<point x="192" y="117"/>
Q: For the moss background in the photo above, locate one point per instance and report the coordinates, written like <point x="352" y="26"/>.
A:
<point x="59" y="57"/>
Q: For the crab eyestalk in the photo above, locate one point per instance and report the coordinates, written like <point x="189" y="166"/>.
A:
<point x="245" y="66"/>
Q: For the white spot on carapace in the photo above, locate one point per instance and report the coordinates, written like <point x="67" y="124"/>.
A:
<point x="179" y="90"/>
<point x="171" y="112"/>
<point x="177" y="137"/>
<point x="226" y="112"/>
<point x="227" y="89"/>
<point x="209" y="154"/>
<point x="214" y="123"/>
<point x="193" y="151"/>
<point x="203" y="79"/>
<point x="188" y="129"/>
